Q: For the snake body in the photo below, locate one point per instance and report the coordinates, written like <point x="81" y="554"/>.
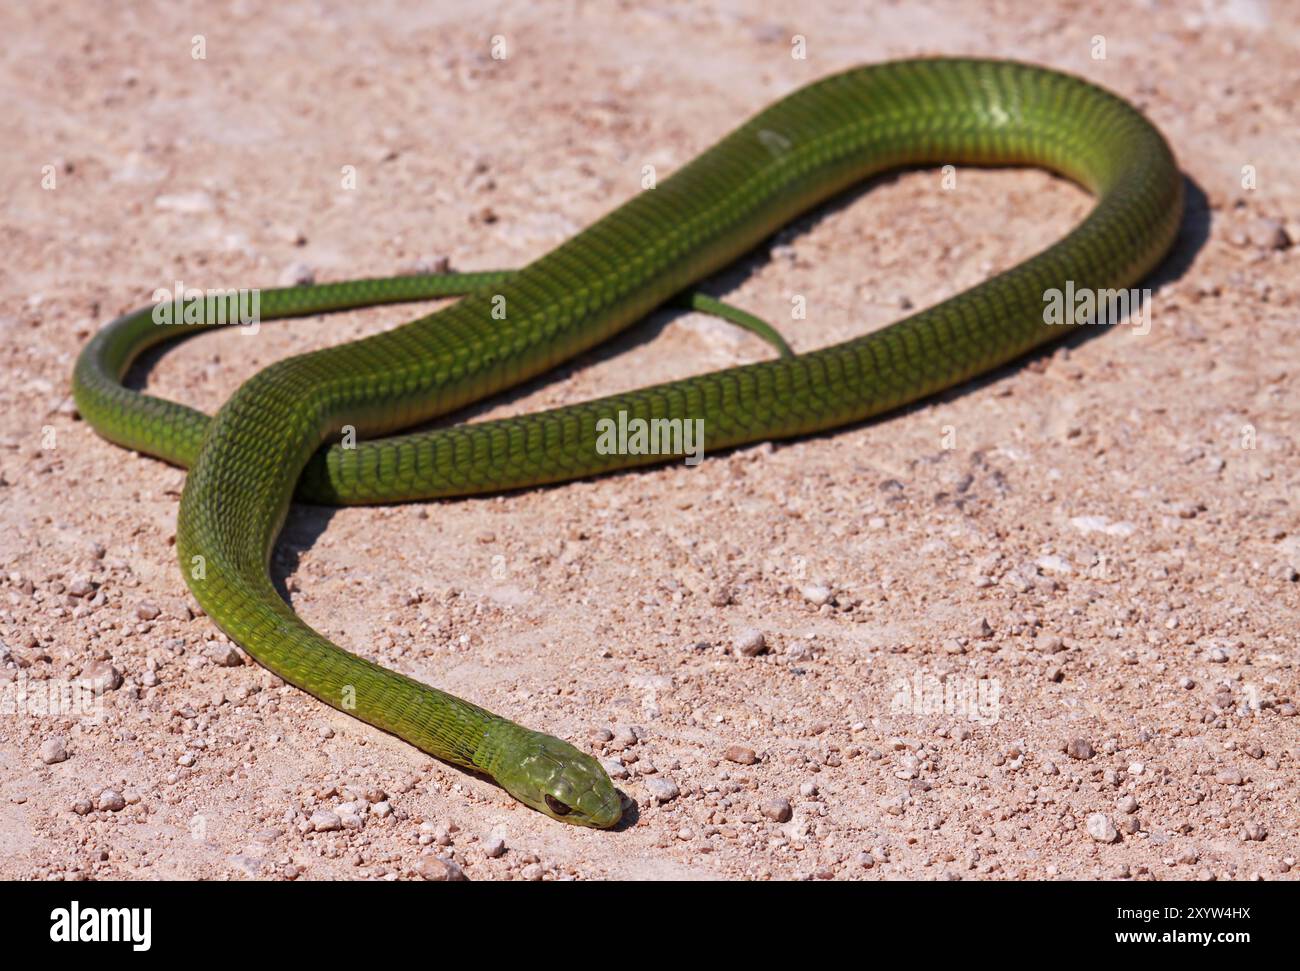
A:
<point x="277" y="434"/>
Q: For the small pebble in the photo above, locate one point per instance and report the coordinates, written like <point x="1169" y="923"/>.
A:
<point x="751" y="642"/>
<point x="624" y="738"/>
<point x="1079" y="748"/>
<point x="1101" y="829"/>
<point x="437" y="868"/>
<point x="777" y="810"/>
<point x="101" y="676"/>
<point x="798" y="651"/>
<point x="224" y="655"/>
<point x="324" y="821"/>
<point x="740" y="754"/>
<point x="54" y="750"/>
<point x="110" y="800"/>
<point x="662" y="790"/>
<point x="816" y="594"/>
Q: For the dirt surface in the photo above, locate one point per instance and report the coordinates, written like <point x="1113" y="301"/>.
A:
<point x="1065" y="591"/>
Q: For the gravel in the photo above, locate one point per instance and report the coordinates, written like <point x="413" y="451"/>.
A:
<point x="607" y="581"/>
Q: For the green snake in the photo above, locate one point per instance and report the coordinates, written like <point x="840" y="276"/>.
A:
<point x="287" y="429"/>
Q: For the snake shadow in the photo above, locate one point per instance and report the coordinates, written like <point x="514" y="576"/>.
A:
<point x="306" y="523"/>
<point x="1193" y="233"/>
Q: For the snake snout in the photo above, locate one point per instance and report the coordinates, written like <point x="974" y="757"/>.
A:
<point x="569" y="785"/>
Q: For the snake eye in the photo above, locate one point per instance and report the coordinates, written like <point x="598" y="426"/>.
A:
<point x="557" y="807"/>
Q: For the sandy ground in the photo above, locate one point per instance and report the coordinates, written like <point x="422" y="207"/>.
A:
<point x="1069" y="590"/>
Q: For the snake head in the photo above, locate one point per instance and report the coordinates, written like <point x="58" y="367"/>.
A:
<point x="557" y="779"/>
